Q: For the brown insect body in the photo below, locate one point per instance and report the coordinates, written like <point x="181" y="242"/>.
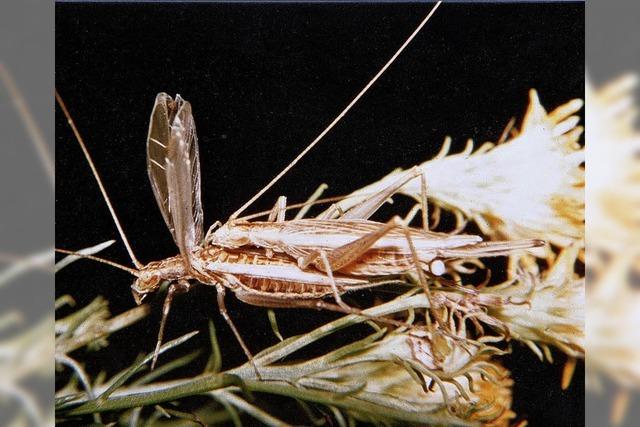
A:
<point x="260" y="287"/>
<point x="243" y="270"/>
<point x="279" y="262"/>
<point x="174" y="172"/>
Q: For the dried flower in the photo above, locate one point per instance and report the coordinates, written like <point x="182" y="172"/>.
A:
<point x="431" y="377"/>
<point x="426" y="374"/>
<point x="546" y="310"/>
<point x="530" y="186"/>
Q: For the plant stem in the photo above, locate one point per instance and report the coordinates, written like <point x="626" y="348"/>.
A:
<point x="155" y="395"/>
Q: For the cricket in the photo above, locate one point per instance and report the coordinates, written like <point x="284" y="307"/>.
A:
<point x="279" y="262"/>
<point x="379" y="256"/>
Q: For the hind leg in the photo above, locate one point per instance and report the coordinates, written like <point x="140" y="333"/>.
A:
<point x="223" y="311"/>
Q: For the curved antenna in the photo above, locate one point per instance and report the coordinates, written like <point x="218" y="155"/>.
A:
<point x="137" y="263"/>
<point x="338" y="118"/>
<point x="133" y="271"/>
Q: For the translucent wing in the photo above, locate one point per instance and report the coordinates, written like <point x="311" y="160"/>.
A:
<point x="173" y="165"/>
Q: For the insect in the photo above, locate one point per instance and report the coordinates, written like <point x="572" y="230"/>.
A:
<point x="276" y="263"/>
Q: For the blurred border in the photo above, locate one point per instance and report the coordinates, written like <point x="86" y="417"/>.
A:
<point x="612" y="50"/>
<point x="26" y="212"/>
<point x="611" y="39"/>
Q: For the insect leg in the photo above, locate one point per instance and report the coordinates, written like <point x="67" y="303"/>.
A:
<point x="176" y="288"/>
<point x="211" y="231"/>
<point x="423" y="201"/>
<point x="277" y="215"/>
<point x="346" y="254"/>
<point x="414" y="254"/>
<point x="223" y="311"/>
<point x="336" y="292"/>
<point x="422" y="206"/>
<point x="333" y="211"/>
<point x="278" y="210"/>
<point x="310" y="201"/>
<point x="334" y="287"/>
<point x="369" y="206"/>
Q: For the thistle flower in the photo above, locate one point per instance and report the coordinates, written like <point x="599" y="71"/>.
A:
<point x="427" y="374"/>
<point x="546" y="310"/>
<point x="417" y="376"/>
<point x="503" y="186"/>
<point x="430" y="374"/>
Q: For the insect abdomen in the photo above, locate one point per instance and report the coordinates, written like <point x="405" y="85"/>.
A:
<point x="285" y="289"/>
<point x="281" y="289"/>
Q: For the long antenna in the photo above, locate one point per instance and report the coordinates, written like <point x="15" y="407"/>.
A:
<point x="339" y="117"/>
<point x="137" y="263"/>
<point x="134" y="272"/>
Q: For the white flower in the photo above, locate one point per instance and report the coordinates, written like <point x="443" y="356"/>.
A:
<point x="546" y="310"/>
<point x="530" y="186"/>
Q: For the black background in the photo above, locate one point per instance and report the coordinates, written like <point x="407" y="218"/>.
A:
<point x="263" y="81"/>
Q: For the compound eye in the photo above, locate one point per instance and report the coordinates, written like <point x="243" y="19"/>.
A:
<point x="437" y="267"/>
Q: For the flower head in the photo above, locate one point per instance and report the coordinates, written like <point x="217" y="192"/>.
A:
<point x="529" y="186"/>
<point x="545" y="310"/>
<point x="447" y="379"/>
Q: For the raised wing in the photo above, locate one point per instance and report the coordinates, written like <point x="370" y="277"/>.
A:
<point x="173" y="165"/>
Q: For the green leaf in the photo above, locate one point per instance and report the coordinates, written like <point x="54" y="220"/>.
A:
<point x="138" y="366"/>
<point x="214" y="364"/>
<point x="274" y="324"/>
